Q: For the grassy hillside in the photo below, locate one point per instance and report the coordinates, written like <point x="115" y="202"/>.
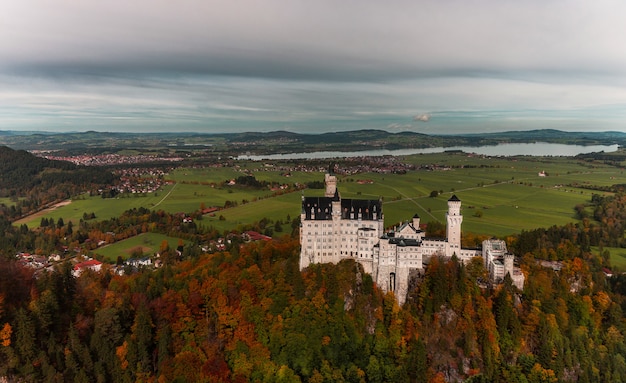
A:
<point x="146" y="244"/>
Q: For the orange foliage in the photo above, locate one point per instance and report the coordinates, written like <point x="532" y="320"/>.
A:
<point x="121" y="353"/>
<point x="603" y="301"/>
<point x="5" y="335"/>
<point x="437" y="378"/>
<point x="325" y="340"/>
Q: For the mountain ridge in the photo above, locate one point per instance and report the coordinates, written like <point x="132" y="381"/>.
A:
<point x="282" y="141"/>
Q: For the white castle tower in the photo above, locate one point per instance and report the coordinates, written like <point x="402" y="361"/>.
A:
<point x="331" y="185"/>
<point x="454" y="219"/>
<point x="508" y="264"/>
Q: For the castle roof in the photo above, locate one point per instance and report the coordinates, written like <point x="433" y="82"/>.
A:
<point x="403" y="242"/>
<point x="454" y="198"/>
<point x="366" y="207"/>
<point x="317" y="207"/>
<point x="410" y="227"/>
<point x="322" y="208"/>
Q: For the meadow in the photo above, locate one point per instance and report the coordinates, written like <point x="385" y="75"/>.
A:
<point x="617" y="257"/>
<point x="500" y="196"/>
<point x="146" y="244"/>
<point x="7" y="201"/>
<point x="103" y="208"/>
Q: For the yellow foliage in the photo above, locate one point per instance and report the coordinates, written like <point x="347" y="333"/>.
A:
<point x="588" y="303"/>
<point x="614" y="336"/>
<point x="540" y="374"/>
<point x="456" y="302"/>
<point x="316" y="377"/>
<point x="318" y="300"/>
<point x="603" y="301"/>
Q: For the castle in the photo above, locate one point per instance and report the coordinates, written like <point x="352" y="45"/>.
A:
<point x="333" y="229"/>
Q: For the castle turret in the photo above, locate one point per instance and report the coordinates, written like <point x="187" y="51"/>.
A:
<point x="331" y="185"/>
<point x="416" y="221"/>
<point x="454" y="219"/>
<point x="508" y="264"/>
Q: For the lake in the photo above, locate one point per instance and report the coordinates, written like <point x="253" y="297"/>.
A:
<point x="528" y="149"/>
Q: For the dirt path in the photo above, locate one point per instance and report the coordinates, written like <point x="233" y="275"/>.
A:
<point x="167" y="195"/>
<point x="43" y="212"/>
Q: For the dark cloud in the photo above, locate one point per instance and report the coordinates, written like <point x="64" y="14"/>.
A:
<point x="354" y="40"/>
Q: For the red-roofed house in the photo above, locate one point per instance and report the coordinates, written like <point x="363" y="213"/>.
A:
<point x="91" y="264"/>
<point x="254" y="236"/>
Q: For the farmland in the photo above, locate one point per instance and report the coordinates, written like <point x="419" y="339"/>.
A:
<point x="500" y="196"/>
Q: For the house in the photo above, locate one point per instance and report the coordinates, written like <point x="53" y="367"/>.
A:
<point x="91" y="264"/>
<point x="138" y="262"/>
<point x="254" y="236"/>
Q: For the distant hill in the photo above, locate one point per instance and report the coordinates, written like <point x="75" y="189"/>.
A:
<point x="552" y="136"/>
<point x="283" y="142"/>
<point x="21" y="170"/>
<point x="39" y="181"/>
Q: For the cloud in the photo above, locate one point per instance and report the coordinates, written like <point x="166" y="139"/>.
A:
<point x="422" y="117"/>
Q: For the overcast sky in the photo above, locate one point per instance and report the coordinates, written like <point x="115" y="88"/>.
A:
<point x="440" y="66"/>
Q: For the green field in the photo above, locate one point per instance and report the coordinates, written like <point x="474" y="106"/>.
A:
<point x="277" y="208"/>
<point x="149" y="243"/>
<point x="500" y="196"/>
<point x="102" y="208"/>
<point x="618" y="257"/>
<point x="6" y="201"/>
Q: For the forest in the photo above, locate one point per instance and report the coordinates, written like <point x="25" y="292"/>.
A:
<point x="34" y="183"/>
<point x="249" y="314"/>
